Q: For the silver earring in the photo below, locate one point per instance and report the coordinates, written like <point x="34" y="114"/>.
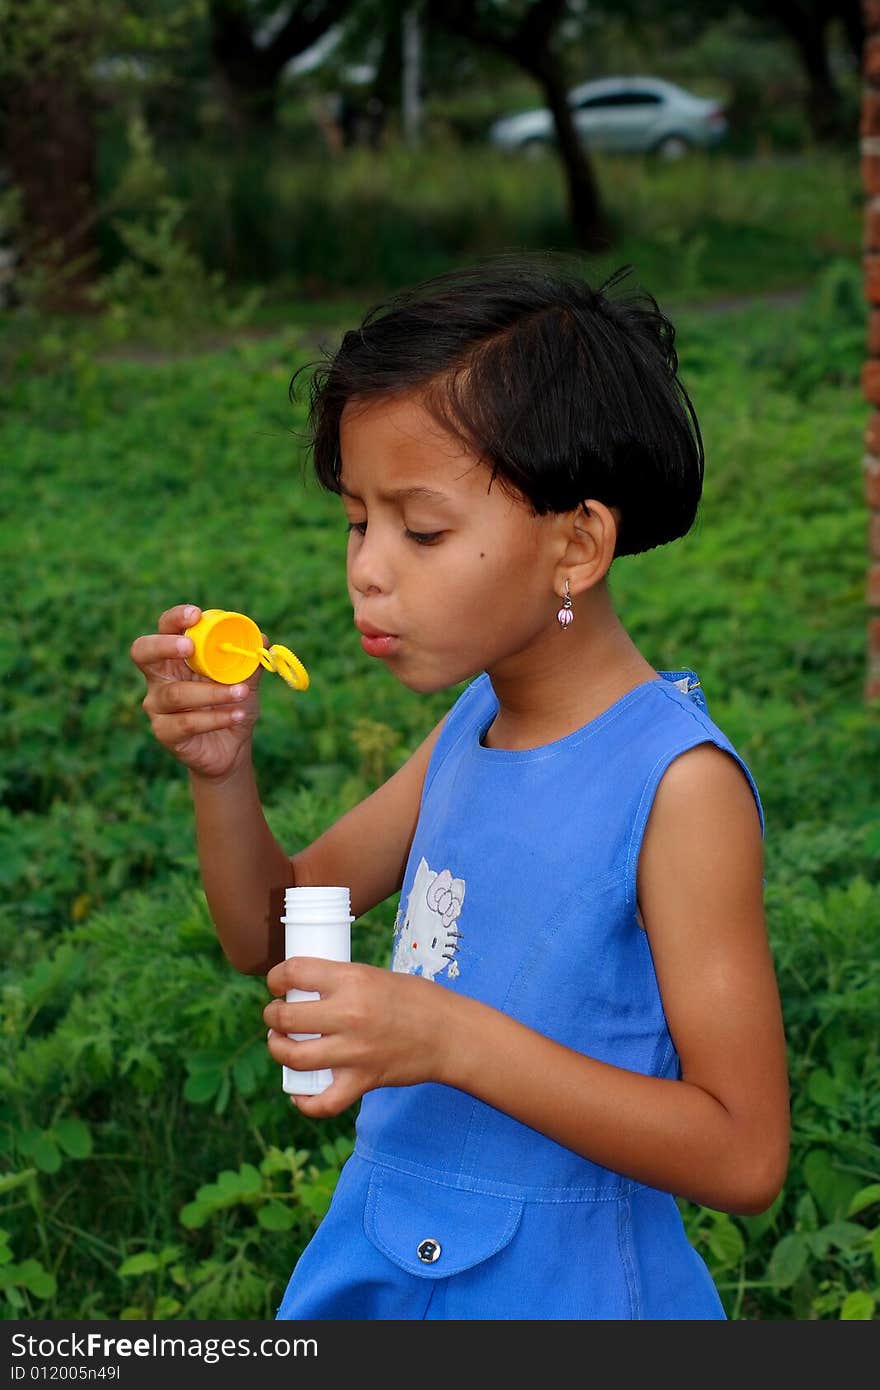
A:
<point x="565" y="615"/>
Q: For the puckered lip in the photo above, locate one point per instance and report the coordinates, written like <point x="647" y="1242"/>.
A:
<point x="369" y="631"/>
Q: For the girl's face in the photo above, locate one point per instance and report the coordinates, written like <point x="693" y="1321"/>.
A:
<point x="463" y="578"/>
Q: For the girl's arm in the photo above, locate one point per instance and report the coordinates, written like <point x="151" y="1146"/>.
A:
<point x="719" y="1136"/>
<point x="244" y="870"/>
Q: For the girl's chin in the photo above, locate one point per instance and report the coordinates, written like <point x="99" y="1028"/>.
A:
<point x="429" y="683"/>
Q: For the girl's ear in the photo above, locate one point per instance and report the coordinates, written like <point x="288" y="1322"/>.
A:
<point x="590" y="536"/>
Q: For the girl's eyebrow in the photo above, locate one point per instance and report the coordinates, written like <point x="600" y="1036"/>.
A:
<point x="400" y="492"/>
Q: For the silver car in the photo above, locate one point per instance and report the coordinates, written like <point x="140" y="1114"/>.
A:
<point x="644" y="114"/>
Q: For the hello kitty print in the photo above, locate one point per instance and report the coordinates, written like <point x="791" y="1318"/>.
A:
<point x="426" y="941"/>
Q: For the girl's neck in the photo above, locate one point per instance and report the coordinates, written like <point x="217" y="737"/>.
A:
<point x="566" y="678"/>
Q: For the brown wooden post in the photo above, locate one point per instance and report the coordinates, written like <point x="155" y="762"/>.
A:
<point x="870" y="155"/>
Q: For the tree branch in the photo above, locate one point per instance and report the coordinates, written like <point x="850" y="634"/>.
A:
<point x="460" y="17"/>
<point x="232" y="39"/>
<point x="537" y="26"/>
<point x="305" y="24"/>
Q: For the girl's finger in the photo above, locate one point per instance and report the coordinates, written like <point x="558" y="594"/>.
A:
<point x="177" y="697"/>
<point x="153" y="647"/>
<point x="173" y="729"/>
<point x="182" y="616"/>
<point x="305" y="1016"/>
<point x="304" y="972"/>
<point x="310" y="1054"/>
<point x="327" y="1103"/>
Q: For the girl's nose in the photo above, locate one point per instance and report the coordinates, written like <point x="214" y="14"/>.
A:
<point x="367" y="569"/>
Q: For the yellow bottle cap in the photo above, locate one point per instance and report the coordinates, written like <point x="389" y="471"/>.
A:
<point x="228" y="648"/>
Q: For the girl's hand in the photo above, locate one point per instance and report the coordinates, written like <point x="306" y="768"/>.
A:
<point x="379" y="1028"/>
<point x="207" y="726"/>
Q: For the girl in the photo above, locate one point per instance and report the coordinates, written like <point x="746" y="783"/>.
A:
<point x="582" y="1017"/>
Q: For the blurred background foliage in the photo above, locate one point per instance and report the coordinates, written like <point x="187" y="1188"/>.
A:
<point x="227" y="226"/>
<point x="313" y="148"/>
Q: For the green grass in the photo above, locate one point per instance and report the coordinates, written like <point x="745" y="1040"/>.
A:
<point x="312" y="224"/>
<point x="132" y="1058"/>
<point x="275" y="237"/>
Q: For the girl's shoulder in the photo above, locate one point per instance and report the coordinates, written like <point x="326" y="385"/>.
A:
<point x="687" y="683"/>
<point x="692" y="724"/>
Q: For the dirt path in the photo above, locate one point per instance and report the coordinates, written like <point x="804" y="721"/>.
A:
<point x="734" y="303"/>
<point x="317" y="338"/>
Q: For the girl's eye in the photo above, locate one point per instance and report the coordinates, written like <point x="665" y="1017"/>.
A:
<point x="420" y="537"/>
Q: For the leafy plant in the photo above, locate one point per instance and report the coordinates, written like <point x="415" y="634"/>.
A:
<point x="249" y="1209"/>
<point x="161" y="286"/>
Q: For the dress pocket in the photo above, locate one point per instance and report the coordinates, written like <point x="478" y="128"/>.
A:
<point x="433" y="1229"/>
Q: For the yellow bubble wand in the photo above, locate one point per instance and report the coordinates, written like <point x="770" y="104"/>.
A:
<point x="228" y="648"/>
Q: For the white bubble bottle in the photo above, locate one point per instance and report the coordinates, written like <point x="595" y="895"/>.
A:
<point x="317" y="922"/>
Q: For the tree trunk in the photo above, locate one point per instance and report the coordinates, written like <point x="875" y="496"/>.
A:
<point x="411" y="83"/>
<point x="49" y="150"/>
<point x="592" y="229"/>
<point x="850" y="14"/>
<point x="250" y="73"/>
<point x="808" y="33"/>
<point x="251" y="99"/>
<point x="823" y="100"/>
<point x="530" y="47"/>
<point x="248" y="80"/>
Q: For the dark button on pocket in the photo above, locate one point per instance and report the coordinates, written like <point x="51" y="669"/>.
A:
<point x="470" y="1226"/>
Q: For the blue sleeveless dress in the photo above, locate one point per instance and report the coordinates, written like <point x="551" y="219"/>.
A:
<point x="520" y="890"/>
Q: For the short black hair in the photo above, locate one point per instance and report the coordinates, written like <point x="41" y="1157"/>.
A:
<point x="564" y="391"/>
